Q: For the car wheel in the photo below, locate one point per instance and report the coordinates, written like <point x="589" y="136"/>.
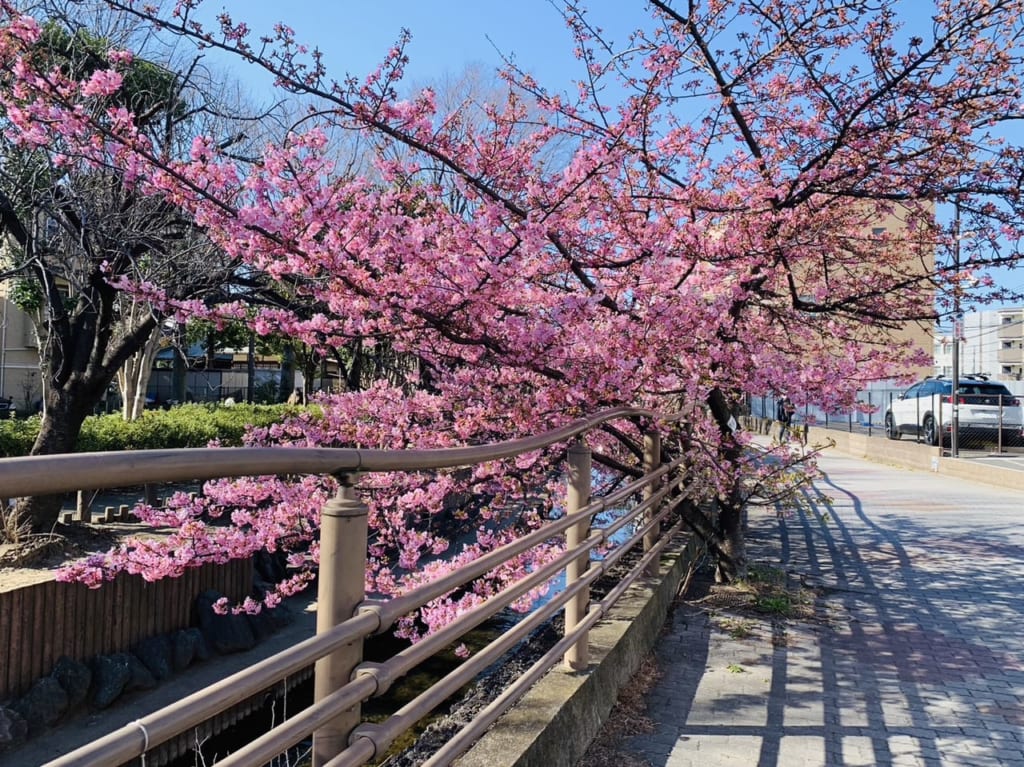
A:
<point x="890" y="427"/>
<point x="931" y="434"/>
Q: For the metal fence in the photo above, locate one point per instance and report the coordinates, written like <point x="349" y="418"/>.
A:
<point x="346" y="617"/>
<point x="986" y="422"/>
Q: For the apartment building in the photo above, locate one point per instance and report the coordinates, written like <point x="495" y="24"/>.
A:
<point x="919" y="259"/>
<point x="992" y="343"/>
<point x="19" y="356"/>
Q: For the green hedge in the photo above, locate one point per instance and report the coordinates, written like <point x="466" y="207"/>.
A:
<point x="17" y="436"/>
<point x="181" y="426"/>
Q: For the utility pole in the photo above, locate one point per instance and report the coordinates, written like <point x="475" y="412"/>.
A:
<point x="954" y="446"/>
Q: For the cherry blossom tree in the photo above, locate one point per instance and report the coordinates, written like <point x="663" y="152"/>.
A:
<point x="705" y="229"/>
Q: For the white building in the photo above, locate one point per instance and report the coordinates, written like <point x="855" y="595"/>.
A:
<point x="992" y="343"/>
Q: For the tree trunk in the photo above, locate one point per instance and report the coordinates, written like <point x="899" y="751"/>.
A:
<point x="250" y="370"/>
<point x="58" y="432"/>
<point x="79" y="357"/>
<point x="732" y="555"/>
<point x="133" y="377"/>
<point x="286" y="384"/>
<point x="179" y="365"/>
<point x="354" y="372"/>
<point x="211" y="349"/>
<point x="732" y="560"/>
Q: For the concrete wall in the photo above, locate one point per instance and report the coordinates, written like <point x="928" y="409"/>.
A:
<point x="912" y="455"/>
<point x="905" y="453"/>
<point x="556" y="720"/>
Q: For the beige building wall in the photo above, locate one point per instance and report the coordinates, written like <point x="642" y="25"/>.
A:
<point x="19" y="356"/>
<point x="1010" y="354"/>
<point x="992" y="344"/>
<point x="919" y="260"/>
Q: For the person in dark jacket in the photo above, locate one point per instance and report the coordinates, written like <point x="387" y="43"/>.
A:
<point x="784" y="410"/>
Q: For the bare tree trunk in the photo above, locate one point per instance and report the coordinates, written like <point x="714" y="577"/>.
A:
<point x="732" y="560"/>
<point x="250" y="370"/>
<point x="286" y="382"/>
<point x="133" y="377"/>
<point x="179" y="366"/>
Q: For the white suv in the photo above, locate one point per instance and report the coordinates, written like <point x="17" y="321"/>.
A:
<point x="986" y="408"/>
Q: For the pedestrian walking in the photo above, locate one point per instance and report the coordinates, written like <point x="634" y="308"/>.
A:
<point x="784" y="411"/>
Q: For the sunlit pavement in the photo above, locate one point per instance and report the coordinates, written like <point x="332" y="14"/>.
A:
<point x="920" y="663"/>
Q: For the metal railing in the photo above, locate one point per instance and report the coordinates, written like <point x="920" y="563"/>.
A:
<point x="346" y="618"/>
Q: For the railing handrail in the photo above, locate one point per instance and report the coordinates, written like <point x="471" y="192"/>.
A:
<point x="66" y="472"/>
<point x="345" y="612"/>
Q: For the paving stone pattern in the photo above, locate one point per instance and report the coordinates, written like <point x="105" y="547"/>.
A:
<point x="921" y="664"/>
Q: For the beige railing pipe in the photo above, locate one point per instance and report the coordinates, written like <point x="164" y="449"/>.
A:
<point x="461" y="740"/>
<point x="38" y="474"/>
<point x="343" y="533"/>
<point x="652" y="457"/>
<point x="577" y="497"/>
<point x="378" y="677"/>
<point x="29" y="475"/>
<point x="383" y="674"/>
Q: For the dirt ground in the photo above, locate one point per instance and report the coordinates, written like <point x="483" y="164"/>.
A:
<point x="36" y="557"/>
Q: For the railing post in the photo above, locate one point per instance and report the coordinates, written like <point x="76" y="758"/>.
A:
<point x="577" y="497"/>
<point x="652" y="459"/>
<point x="83" y="505"/>
<point x="999" y="438"/>
<point x="343" y="535"/>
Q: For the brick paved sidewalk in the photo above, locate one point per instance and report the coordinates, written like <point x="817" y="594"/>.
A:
<point x="922" y="662"/>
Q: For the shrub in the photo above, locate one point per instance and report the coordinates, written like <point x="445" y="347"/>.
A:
<point x="17" y="435"/>
<point x="193" y="425"/>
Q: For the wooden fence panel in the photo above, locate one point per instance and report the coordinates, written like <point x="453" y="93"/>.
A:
<point x="42" y="622"/>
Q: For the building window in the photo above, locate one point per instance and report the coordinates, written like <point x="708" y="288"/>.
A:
<point x="878" y="231"/>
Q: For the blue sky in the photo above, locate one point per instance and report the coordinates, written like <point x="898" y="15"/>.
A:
<point x="447" y="34"/>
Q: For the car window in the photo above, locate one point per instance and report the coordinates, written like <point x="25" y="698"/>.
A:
<point x="913" y="391"/>
<point x="989" y="394"/>
<point x="994" y="390"/>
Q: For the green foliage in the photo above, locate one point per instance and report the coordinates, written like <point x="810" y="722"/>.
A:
<point x="777" y="604"/>
<point x="17" y="435"/>
<point x="27" y="295"/>
<point x="147" y="89"/>
<point x="231" y="335"/>
<point x="183" y="426"/>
